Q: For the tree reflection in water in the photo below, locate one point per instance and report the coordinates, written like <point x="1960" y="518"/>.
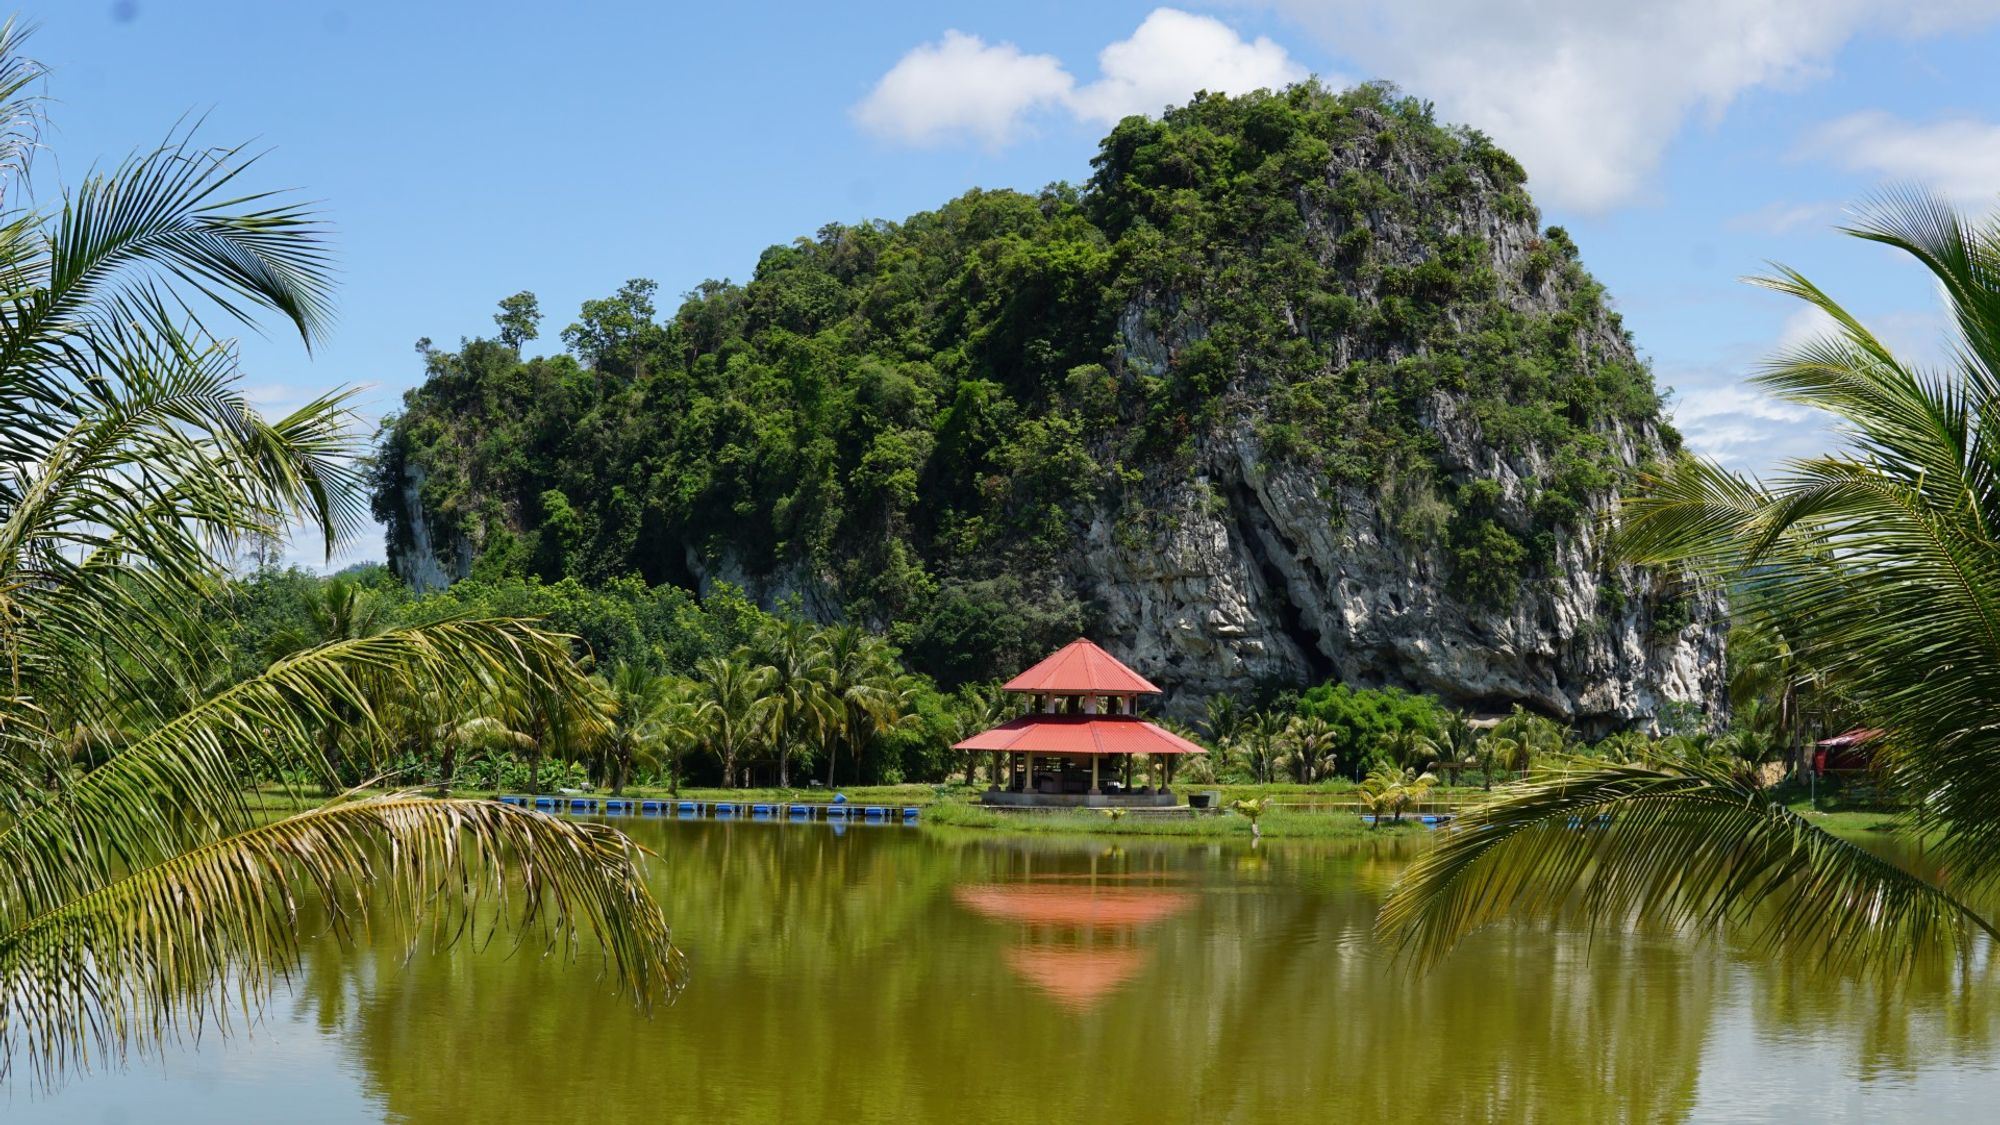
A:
<point x="904" y="976"/>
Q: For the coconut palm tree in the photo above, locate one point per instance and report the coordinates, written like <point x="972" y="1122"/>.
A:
<point x="1259" y="747"/>
<point x="1309" y="748"/>
<point x="1882" y="562"/>
<point x="801" y="704"/>
<point x="678" y="726"/>
<point x="1222" y="719"/>
<point x="866" y="695"/>
<point x="734" y="711"/>
<point x="633" y="701"/>
<point x="147" y="895"/>
<point x="1390" y="790"/>
<point x="1410" y="748"/>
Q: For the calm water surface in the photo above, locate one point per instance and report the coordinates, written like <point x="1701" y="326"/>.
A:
<point x="896" y="975"/>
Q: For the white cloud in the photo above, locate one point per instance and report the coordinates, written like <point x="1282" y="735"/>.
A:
<point x="1958" y="157"/>
<point x="1588" y="94"/>
<point x="1745" y="428"/>
<point x="1172" y="56"/>
<point x="1724" y="417"/>
<point x="1915" y="336"/>
<point x="961" y="86"/>
<point x="1806" y="324"/>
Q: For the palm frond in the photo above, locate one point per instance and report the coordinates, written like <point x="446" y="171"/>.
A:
<point x="1688" y="848"/>
<point x="180" y="785"/>
<point x="181" y="942"/>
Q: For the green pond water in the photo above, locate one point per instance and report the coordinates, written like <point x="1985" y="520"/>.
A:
<point x="892" y="974"/>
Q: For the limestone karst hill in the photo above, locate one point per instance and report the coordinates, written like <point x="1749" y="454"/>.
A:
<point x="1295" y="387"/>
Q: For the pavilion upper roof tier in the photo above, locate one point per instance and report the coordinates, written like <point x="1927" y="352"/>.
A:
<point x="1081" y="668"/>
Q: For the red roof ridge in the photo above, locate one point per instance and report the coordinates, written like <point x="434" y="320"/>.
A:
<point x="1081" y="668"/>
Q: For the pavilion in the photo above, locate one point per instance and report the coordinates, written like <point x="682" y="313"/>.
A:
<point x="1084" y="711"/>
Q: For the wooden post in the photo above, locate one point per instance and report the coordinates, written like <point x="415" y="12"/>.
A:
<point x="1094" y="790"/>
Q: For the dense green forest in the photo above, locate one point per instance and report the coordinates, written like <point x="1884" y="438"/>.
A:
<point x="718" y="691"/>
<point x="911" y="418"/>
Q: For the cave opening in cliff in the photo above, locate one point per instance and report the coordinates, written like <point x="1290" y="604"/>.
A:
<point x="1257" y="535"/>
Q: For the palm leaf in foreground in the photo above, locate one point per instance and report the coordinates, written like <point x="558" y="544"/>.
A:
<point x="1688" y="848"/>
<point x="1879" y="567"/>
<point x="161" y="950"/>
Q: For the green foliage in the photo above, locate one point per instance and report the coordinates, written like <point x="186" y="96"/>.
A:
<point x="140" y="895"/>
<point x="922" y="415"/>
<point x="1871" y="575"/>
<point x="1362" y="719"/>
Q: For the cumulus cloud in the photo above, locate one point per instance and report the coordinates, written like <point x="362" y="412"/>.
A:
<point x="1745" y="428"/>
<point x="1589" y="94"/>
<point x="1172" y="56"/>
<point x="963" y="87"/>
<point x="1957" y="157"/>
<point x="1724" y="417"/>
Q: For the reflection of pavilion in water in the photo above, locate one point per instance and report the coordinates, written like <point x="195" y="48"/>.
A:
<point x="1079" y="936"/>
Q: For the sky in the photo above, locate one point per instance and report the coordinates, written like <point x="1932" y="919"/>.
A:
<point x="465" y="151"/>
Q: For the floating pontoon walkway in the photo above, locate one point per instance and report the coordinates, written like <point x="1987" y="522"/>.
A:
<point x="798" y="812"/>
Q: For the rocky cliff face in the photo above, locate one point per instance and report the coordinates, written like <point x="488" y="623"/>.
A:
<point x="1258" y="567"/>
<point x="1287" y="580"/>
<point x="1326" y="400"/>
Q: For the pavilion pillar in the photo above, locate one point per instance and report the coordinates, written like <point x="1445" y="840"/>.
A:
<point x="1094" y="790"/>
<point x="993" y="778"/>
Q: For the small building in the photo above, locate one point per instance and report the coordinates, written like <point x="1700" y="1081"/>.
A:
<point x="1077" y="743"/>
<point x="1851" y="752"/>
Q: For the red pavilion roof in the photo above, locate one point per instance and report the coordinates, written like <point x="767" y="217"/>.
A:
<point x="1080" y="734"/>
<point x="1081" y="668"/>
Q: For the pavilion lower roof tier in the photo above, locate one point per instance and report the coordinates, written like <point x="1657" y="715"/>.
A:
<point x="1080" y="734"/>
<point x="1081" y="668"/>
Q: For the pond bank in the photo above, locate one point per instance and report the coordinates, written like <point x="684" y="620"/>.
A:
<point x="1292" y="812"/>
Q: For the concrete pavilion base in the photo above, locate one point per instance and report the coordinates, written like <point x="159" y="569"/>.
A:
<point x="1010" y="799"/>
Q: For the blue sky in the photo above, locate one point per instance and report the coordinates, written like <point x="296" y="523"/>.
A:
<point x="464" y="151"/>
